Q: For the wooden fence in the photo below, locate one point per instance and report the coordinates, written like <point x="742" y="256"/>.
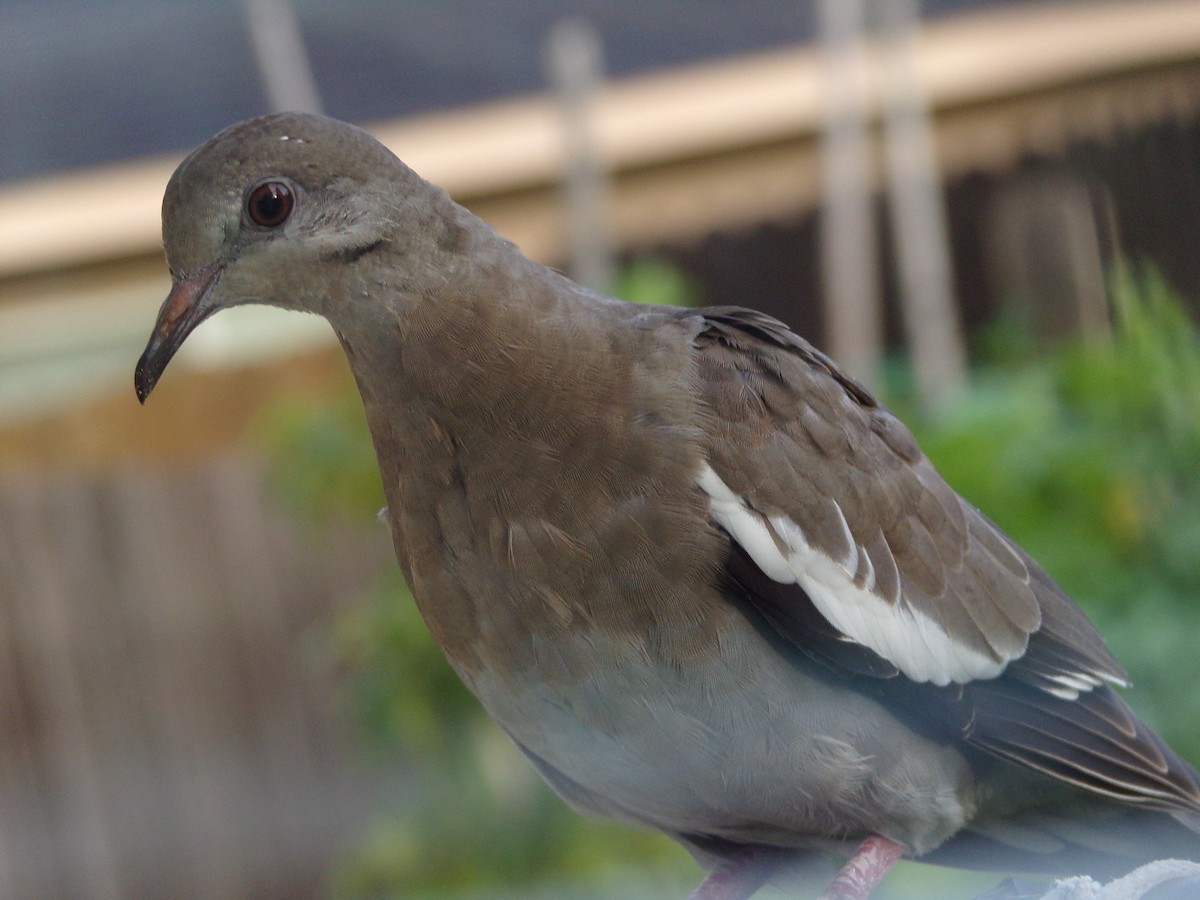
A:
<point x="168" y="715"/>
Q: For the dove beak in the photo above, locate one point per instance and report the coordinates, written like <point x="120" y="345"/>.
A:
<point x="186" y="306"/>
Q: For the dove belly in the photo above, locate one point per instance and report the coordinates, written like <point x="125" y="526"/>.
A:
<point x="741" y="745"/>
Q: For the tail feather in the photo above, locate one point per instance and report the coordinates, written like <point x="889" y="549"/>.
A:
<point x="1104" y="842"/>
<point x="1188" y="819"/>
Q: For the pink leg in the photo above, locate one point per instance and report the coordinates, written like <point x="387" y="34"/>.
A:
<point x="738" y="877"/>
<point x="872" y="860"/>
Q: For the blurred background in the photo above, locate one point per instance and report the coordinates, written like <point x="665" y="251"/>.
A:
<point x="212" y="681"/>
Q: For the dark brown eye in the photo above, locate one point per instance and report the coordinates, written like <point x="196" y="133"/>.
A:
<point x="270" y="204"/>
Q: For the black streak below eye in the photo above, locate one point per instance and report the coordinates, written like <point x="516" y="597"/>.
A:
<point x="270" y="204"/>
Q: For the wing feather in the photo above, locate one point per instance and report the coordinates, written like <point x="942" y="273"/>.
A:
<point x="851" y="547"/>
<point x="812" y="469"/>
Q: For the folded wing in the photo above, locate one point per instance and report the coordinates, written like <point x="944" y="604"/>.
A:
<point x="847" y="540"/>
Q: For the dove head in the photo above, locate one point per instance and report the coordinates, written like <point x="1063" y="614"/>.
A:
<point x="288" y="210"/>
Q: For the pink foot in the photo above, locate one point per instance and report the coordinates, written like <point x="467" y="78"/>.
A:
<point x="872" y="860"/>
<point x="738" y="877"/>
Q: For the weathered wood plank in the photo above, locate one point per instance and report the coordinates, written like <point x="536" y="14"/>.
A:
<point x="163" y="733"/>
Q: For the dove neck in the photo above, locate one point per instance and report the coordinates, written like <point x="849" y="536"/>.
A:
<point x="479" y="335"/>
<point x="484" y="348"/>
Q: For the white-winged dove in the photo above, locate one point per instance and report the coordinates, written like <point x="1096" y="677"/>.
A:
<point x="701" y="577"/>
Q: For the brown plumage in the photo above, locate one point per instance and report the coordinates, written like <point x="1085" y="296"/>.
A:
<point x="701" y="577"/>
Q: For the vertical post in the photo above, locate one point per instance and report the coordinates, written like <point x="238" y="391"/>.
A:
<point x="282" y="59"/>
<point x="918" y="217"/>
<point x="849" y="263"/>
<point x="50" y="637"/>
<point x="574" y="60"/>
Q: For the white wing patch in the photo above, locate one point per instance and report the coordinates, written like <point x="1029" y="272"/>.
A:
<point x="1076" y="683"/>
<point x="842" y="592"/>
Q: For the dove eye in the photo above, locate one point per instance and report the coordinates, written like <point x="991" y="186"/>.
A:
<point x="269" y="204"/>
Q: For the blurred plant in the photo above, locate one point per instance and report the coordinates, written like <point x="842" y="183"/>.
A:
<point x="322" y="461"/>
<point x="651" y="279"/>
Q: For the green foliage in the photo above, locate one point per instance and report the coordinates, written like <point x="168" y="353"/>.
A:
<point x="650" y="279"/>
<point x="405" y="696"/>
<point x="322" y="461"/>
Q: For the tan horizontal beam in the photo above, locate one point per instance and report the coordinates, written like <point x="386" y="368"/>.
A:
<point x="476" y="153"/>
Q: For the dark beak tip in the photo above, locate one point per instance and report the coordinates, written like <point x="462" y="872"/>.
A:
<point x="185" y="307"/>
<point x="143" y="380"/>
